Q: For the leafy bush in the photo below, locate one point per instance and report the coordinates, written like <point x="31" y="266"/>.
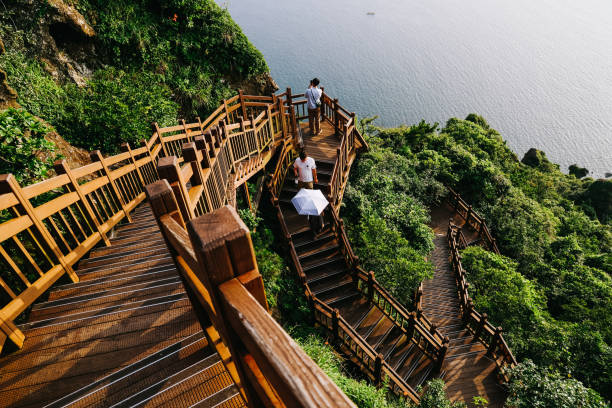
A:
<point x="24" y="150"/>
<point x="435" y="396"/>
<point x="533" y="387"/>
<point x="116" y="107"/>
<point x="363" y="394"/>
<point x="399" y="267"/>
<point x="36" y="89"/>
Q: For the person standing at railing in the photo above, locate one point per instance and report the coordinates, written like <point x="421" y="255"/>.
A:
<point x="313" y="100"/>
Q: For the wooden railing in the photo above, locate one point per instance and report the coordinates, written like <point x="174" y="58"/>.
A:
<point x="473" y="220"/>
<point x="490" y="336"/>
<point x="215" y="257"/>
<point x="46" y="228"/>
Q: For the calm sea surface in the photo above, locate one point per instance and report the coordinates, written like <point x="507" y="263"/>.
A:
<point x="539" y="71"/>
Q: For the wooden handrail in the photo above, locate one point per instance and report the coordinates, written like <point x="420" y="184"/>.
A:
<point x="473" y="219"/>
<point x="216" y="260"/>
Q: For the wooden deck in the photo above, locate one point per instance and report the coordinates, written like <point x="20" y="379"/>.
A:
<point x="125" y="335"/>
<point x="323" y="146"/>
<point x="467" y="371"/>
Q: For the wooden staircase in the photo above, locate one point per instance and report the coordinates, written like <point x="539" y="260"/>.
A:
<point x="329" y="277"/>
<point x="125" y="335"/>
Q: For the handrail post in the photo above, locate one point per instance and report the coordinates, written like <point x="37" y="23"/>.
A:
<point x="168" y="168"/>
<point x="336" y="119"/>
<point x="12" y="332"/>
<point x="370" y="286"/>
<point x="494" y="340"/>
<point x="125" y="147"/>
<point x="61" y="167"/>
<point x="442" y="354"/>
<point x="481" y="325"/>
<point x="281" y="115"/>
<point x="8" y="184"/>
<point x="242" y="105"/>
<point x="468" y="214"/>
<point x="378" y="369"/>
<point x="159" y="136"/>
<point x="335" y="324"/>
<point x="96" y="156"/>
<point x="292" y="114"/>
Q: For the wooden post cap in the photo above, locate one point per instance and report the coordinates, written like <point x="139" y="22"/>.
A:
<point x="161" y="197"/>
<point x="125" y="146"/>
<point x="60" y="166"/>
<point x="166" y="167"/>
<point x="190" y="151"/>
<point x="5" y="180"/>
<point x="95" y="156"/>
<point x="224" y="242"/>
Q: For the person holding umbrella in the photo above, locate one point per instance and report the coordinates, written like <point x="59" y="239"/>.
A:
<point x="309" y="203"/>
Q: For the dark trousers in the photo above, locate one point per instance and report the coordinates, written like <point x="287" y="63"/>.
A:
<point x="314" y="120"/>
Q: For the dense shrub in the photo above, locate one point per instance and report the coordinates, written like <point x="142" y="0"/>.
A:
<point x="24" y="150"/>
<point x="533" y="387"/>
<point x="37" y="91"/>
<point x="116" y="107"/>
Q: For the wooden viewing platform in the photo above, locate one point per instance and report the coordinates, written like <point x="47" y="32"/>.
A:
<point x="148" y="318"/>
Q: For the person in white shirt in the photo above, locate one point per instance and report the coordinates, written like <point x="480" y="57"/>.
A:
<point x="313" y="98"/>
<point x="305" y="171"/>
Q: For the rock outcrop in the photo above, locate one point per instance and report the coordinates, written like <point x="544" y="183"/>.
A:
<point x="8" y="96"/>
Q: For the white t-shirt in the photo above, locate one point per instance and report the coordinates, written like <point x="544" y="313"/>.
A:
<point x="305" y="169"/>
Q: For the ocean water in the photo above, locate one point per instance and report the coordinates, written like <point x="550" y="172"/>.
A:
<point x="540" y="71"/>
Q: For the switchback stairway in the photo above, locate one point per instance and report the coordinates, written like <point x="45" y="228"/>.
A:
<point x="333" y="282"/>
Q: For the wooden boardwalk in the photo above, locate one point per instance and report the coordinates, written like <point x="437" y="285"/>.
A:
<point x="125" y="335"/>
<point x="467" y="371"/>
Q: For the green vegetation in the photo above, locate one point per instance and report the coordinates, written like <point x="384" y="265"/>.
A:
<point x="148" y="61"/>
<point x="387" y="213"/>
<point x="24" y="150"/>
<point x="551" y="290"/>
<point x="536" y="387"/>
<point x="363" y="394"/>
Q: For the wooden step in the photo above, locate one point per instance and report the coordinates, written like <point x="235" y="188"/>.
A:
<point x="322" y="288"/>
<point x="368" y="324"/>
<point x="331" y="261"/>
<point x="119" y="279"/>
<point x="92" y="312"/>
<point x="144" y="375"/>
<point x="115" y="297"/>
<point x="308" y="243"/>
<point x="163" y="259"/>
<point x="323" y="275"/>
<point x="71" y="375"/>
<point x="132" y="254"/>
<point x="324" y="250"/>
<point x="118" y="248"/>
